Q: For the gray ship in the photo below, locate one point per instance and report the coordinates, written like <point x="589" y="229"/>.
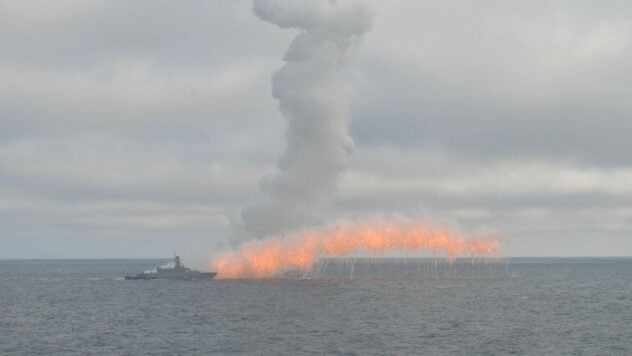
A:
<point x="178" y="271"/>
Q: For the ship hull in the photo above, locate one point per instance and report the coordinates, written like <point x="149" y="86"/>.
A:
<point x="174" y="276"/>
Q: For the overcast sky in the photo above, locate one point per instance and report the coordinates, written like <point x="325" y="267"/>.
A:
<point x="135" y="128"/>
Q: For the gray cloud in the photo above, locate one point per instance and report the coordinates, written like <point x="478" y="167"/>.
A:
<point x="526" y="80"/>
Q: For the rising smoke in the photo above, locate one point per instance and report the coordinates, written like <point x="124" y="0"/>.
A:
<point x="313" y="99"/>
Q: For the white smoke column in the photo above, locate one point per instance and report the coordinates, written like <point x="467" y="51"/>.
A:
<point x="313" y="99"/>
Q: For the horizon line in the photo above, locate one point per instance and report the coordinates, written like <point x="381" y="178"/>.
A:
<point x="357" y="258"/>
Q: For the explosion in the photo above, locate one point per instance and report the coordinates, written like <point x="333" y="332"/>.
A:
<point x="313" y="98"/>
<point x="267" y="258"/>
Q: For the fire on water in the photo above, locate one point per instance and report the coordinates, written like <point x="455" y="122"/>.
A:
<point x="263" y="259"/>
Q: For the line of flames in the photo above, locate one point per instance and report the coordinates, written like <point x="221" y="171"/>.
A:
<point x="263" y="259"/>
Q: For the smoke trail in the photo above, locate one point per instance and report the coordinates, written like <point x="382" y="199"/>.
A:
<point x="260" y="259"/>
<point x="312" y="98"/>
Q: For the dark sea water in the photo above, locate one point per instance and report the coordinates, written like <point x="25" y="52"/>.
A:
<point x="517" y="306"/>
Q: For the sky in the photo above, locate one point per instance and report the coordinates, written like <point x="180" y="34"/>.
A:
<point x="139" y="128"/>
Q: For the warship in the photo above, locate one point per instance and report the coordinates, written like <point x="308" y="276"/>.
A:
<point x="178" y="271"/>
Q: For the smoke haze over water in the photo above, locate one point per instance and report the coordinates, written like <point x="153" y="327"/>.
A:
<point x="312" y="98"/>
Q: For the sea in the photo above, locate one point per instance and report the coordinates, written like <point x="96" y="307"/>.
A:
<point x="429" y="306"/>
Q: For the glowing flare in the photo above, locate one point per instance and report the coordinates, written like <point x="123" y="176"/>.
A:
<point x="260" y="259"/>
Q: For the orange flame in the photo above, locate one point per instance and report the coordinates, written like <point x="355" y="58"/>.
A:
<point x="261" y="259"/>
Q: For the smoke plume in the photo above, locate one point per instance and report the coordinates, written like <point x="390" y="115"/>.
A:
<point x="313" y="99"/>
